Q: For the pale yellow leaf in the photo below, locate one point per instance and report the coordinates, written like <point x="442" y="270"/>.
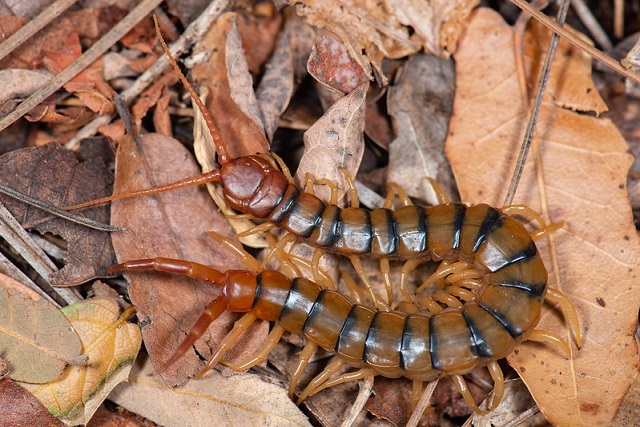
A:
<point x="36" y="340"/>
<point x="241" y="400"/>
<point x="110" y="343"/>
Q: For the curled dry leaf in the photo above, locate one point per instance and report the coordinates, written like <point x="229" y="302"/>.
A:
<point x="173" y="224"/>
<point x="229" y="85"/>
<point x="240" y="400"/>
<point x="36" y="340"/>
<point x="277" y="84"/>
<point x="55" y="176"/>
<point x="110" y="343"/>
<point x="331" y="65"/>
<point x="368" y="26"/>
<point x="421" y="103"/>
<point x="335" y="143"/>
<point x="576" y="173"/>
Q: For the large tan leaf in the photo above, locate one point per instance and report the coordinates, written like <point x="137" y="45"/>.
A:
<point x="111" y="345"/>
<point x="35" y="338"/>
<point x="240" y="400"/>
<point x="578" y="175"/>
<point x="173" y="224"/>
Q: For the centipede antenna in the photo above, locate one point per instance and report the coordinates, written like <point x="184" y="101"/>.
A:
<point x="221" y="149"/>
<point x="535" y="110"/>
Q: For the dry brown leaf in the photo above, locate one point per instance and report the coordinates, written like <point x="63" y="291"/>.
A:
<point x="18" y="407"/>
<point x="335" y="143"/>
<point x="331" y="65"/>
<point x="172" y="224"/>
<point x="420" y="104"/>
<point x="277" y="84"/>
<point x="438" y="23"/>
<point x="578" y="176"/>
<point x="240" y="400"/>
<point x="19" y="83"/>
<point x="110" y="343"/>
<point x="231" y="100"/>
<point x="259" y="33"/>
<point x="55" y="176"/>
<point x="368" y="26"/>
<point x="35" y="338"/>
<point x="570" y="83"/>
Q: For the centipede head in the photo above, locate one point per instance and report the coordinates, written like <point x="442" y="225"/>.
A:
<point x="252" y="185"/>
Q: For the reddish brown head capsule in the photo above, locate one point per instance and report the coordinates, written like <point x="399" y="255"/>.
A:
<point x="252" y="185"/>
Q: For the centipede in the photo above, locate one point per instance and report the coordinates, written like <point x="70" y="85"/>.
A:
<point x="489" y="261"/>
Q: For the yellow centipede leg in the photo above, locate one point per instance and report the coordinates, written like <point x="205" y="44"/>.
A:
<point x="306" y="353"/>
<point x="539" y="335"/>
<point x="346" y="377"/>
<point x="569" y="311"/>
<point x="272" y="340"/>
<point x="463" y="389"/>
<point x="330" y="369"/>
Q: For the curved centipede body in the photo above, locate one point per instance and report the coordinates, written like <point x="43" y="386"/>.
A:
<point x="421" y="346"/>
<point x="508" y="287"/>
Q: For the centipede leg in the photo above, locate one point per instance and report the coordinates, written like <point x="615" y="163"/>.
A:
<point x="329" y="370"/>
<point x="305" y="355"/>
<point x="444" y="269"/>
<point x="278" y="247"/>
<point x="540" y="335"/>
<point x="176" y="266"/>
<point x="421" y="406"/>
<point x="394" y="189"/>
<point x="351" y="186"/>
<point x="257" y="229"/>
<point x="463" y="389"/>
<point x="245" y="257"/>
<point x="309" y="182"/>
<point x="568" y="310"/>
<point x="442" y="195"/>
<point x="385" y="269"/>
<point x="351" y="287"/>
<point x="344" y="378"/>
<point x="210" y="313"/>
<point x="283" y="167"/>
<point x="416" y="392"/>
<point x="407" y="268"/>
<point x="272" y="340"/>
<point x="238" y="329"/>
<point x="357" y="265"/>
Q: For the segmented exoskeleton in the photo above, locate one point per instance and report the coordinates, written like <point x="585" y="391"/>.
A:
<point x="493" y="266"/>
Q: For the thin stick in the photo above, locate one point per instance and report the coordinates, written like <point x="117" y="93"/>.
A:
<point x="93" y="53"/>
<point x="533" y="116"/>
<point x="193" y="33"/>
<point x="577" y="41"/>
<point x="78" y="219"/>
<point x="584" y="13"/>
<point x="33" y="26"/>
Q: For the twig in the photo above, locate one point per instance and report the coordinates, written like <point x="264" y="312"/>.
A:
<point x="533" y="115"/>
<point x="591" y="23"/>
<point x="19" y="239"/>
<point x="577" y="41"/>
<point x="194" y="32"/>
<point x="33" y="26"/>
<point x="93" y="53"/>
<point x="78" y="219"/>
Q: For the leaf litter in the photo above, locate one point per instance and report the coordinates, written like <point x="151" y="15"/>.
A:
<point x="481" y="175"/>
